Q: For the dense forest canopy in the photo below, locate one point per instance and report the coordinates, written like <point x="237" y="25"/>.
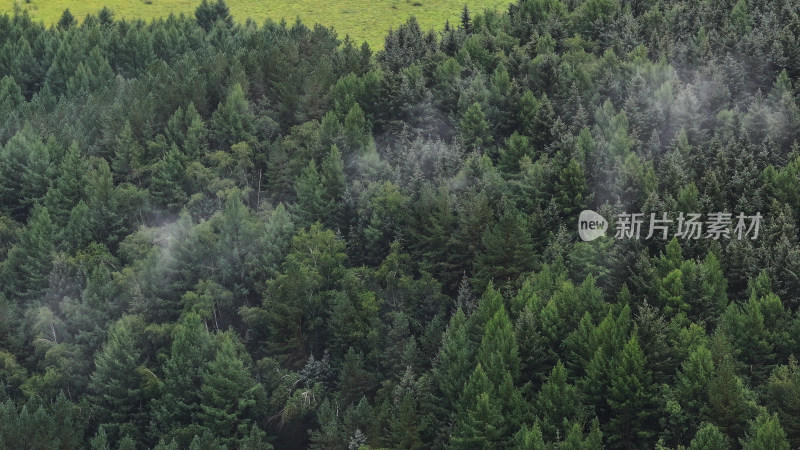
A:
<point x="231" y="235"/>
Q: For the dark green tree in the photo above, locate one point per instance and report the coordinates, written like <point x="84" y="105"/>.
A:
<point x="29" y="261"/>
<point x="207" y="14"/>
<point x="228" y="395"/>
<point x="117" y="383"/>
<point x="475" y="131"/>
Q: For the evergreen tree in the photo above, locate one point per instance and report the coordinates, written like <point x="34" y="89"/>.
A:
<point x="232" y="122"/>
<point x="167" y="184"/>
<point x="29" y="261"/>
<point x="295" y="299"/>
<point x="480" y="422"/>
<point x="709" y="438"/>
<point x="407" y="424"/>
<point x="731" y="404"/>
<point x="498" y="351"/>
<point x="354" y="380"/>
<point x="67" y="20"/>
<point x="175" y="411"/>
<point x="451" y="368"/>
<point x="572" y="189"/>
<point x="557" y="402"/>
<point x="516" y="147"/>
<point x="67" y="188"/>
<point x="508" y="249"/>
<point x="781" y="396"/>
<point x="228" y="395"/>
<point x="466" y="20"/>
<point x="475" y="129"/>
<point x="207" y="14"/>
<point x="310" y="205"/>
<point x="117" y="385"/>
<point x="630" y="395"/>
<point x="766" y="432"/>
<point x="25" y="170"/>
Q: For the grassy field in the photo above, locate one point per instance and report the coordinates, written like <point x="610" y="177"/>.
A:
<point x="362" y="20"/>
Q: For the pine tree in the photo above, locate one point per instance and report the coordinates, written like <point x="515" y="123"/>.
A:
<point x="66" y="21"/>
<point x="534" y="359"/>
<point x="407" y="425"/>
<point x="572" y="189"/>
<point x="354" y="380"/>
<point x="355" y="130"/>
<point x="310" y="206"/>
<point x="766" y="432"/>
<point x="128" y="161"/>
<point x="354" y="317"/>
<point x="557" y="403"/>
<point x="119" y="396"/>
<point x="538" y="118"/>
<point x="475" y="129"/>
<point x="516" y="147"/>
<point x="10" y="98"/>
<point x="508" y="249"/>
<point x="451" y="368"/>
<point x="575" y="438"/>
<point x="629" y="398"/>
<point x="228" y="394"/>
<point x="25" y="171"/>
<point x="295" y="300"/>
<point x="731" y="404"/>
<point x="690" y="395"/>
<point x="334" y="185"/>
<point x="208" y="14"/>
<point x="479" y="421"/>
<point x="498" y="352"/>
<point x="740" y="18"/>
<point x="709" y="437"/>
<point x="100" y="440"/>
<point x="29" y="261"/>
<point x="232" y="122"/>
<point x="466" y="20"/>
<point x="104" y="203"/>
<point x="783" y="397"/>
<point x="168" y="181"/>
<point x="713" y="291"/>
<point x="174" y="413"/>
<point x="530" y="438"/>
<point x="67" y="188"/>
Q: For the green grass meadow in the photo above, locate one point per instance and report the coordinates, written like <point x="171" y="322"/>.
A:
<point x="362" y="20"/>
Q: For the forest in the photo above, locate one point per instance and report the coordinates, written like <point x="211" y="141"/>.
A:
<point x="224" y="234"/>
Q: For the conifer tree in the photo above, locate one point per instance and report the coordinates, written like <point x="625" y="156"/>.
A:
<point x="25" y="169"/>
<point x="67" y="188"/>
<point x="67" y="20"/>
<point x="232" y="122"/>
<point x="451" y="368"/>
<point x="207" y="14"/>
<point x="116" y="384"/>
<point x="629" y="398"/>
<point x="508" y="249"/>
<point x="228" y="394"/>
<point x="174" y="412"/>
<point x="709" y="438"/>
<point x="29" y="261"/>
<point x="475" y="129"/>
<point x="766" y="432"/>
<point x="557" y="403"/>
<point x="479" y="421"/>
